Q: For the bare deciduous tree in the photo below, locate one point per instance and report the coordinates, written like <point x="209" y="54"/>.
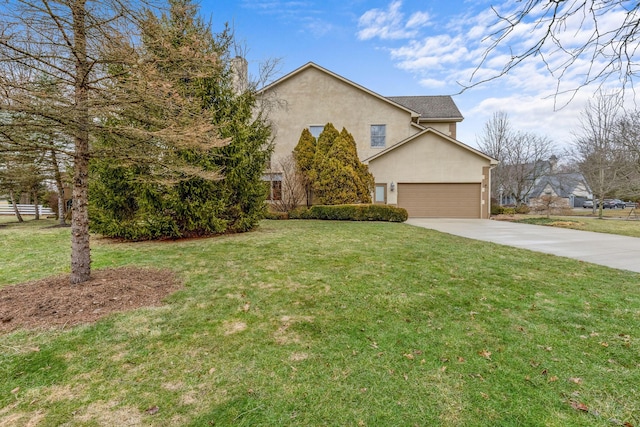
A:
<point x="292" y="187"/>
<point x="549" y="204"/>
<point x="600" y="157"/>
<point x="527" y="156"/>
<point x="569" y="34"/>
<point x="522" y="158"/>
<point x="102" y="81"/>
<point x="628" y="137"/>
<point x="495" y="137"/>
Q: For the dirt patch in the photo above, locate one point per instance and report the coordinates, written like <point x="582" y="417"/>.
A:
<point x="54" y="302"/>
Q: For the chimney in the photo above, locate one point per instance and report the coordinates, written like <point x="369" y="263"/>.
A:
<point x="239" y="74"/>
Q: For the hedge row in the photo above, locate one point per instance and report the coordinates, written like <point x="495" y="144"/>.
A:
<point x="360" y="212"/>
<point x="509" y="209"/>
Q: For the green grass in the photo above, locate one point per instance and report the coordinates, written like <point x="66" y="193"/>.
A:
<point x="619" y="226"/>
<point x="307" y="323"/>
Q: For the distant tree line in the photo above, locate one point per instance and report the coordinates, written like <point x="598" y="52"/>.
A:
<point x="605" y="150"/>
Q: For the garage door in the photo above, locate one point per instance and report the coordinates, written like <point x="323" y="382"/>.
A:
<point x="440" y="200"/>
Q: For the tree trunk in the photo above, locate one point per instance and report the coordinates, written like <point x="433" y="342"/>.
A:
<point x="601" y="185"/>
<point x="60" y="188"/>
<point x="80" y="250"/>
<point x="15" y="206"/>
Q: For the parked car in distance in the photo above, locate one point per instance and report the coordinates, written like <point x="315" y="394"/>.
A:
<point x="587" y="204"/>
<point x="613" y="204"/>
<point x="620" y="204"/>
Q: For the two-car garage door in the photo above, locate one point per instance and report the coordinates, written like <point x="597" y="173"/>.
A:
<point x="440" y="200"/>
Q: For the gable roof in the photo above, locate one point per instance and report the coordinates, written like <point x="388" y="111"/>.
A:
<point x="563" y="184"/>
<point x="423" y="108"/>
<point x="431" y="108"/>
<point x="438" y="133"/>
<point x="339" y="77"/>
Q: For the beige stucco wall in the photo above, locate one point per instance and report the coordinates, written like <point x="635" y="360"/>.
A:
<point x="429" y="158"/>
<point x="314" y="98"/>
<point x="440" y="127"/>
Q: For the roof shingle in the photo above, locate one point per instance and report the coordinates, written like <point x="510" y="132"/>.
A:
<point x="430" y="107"/>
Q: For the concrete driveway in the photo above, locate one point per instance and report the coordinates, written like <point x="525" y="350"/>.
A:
<point x="598" y="248"/>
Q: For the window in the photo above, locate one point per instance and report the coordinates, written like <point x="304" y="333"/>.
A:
<point x="275" y="185"/>
<point x="378" y="136"/>
<point x="316" y="131"/>
<point x="276" y="191"/>
<point x="381" y="193"/>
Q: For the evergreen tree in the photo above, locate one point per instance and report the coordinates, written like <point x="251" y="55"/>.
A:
<point x="325" y="140"/>
<point x="337" y="175"/>
<point x="304" y="154"/>
<point x="364" y="180"/>
<point x="337" y="181"/>
<point x="142" y="201"/>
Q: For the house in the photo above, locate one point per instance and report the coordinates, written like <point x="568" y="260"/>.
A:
<point x="545" y="178"/>
<point x="571" y="187"/>
<point x="408" y="142"/>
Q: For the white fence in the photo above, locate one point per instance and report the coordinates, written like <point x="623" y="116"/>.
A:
<point x="7" y="209"/>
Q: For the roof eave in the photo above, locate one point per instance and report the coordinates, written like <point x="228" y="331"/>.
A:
<point x="414" y="114"/>
<point x="492" y="161"/>
<point x="440" y="119"/>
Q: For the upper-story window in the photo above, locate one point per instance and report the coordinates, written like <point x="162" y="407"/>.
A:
<point x="378" y="136"/>
<point x="316" y="131"/>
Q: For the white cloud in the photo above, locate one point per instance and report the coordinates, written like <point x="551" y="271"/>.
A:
<point x="418" y="19"/>
<point x="389" y="24"/>
<point x="317" y="27"/>
<point x="539" y="93"/>
<point x="532" y="114"/>
<point x="433" y="83"/>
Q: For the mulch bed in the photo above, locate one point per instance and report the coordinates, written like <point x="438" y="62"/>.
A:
<point x="54" y="302"/>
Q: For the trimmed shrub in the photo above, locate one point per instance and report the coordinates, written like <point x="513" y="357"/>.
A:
<point x="276" y="215"/>
<point x="360" y="212"/>
<point x="508" y="210"/>
<point x="299" y="213"/>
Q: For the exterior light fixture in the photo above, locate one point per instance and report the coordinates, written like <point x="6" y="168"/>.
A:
<point x="392" y="186"/>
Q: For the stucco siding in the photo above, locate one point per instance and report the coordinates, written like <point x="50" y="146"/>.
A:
<point x="428" y="158"/>
<point x="423" y="157"/>
<point x="444" y="128"/>
<point x="313" y="97"/>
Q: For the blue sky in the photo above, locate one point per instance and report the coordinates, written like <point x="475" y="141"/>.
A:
<point x="408" y="47"/>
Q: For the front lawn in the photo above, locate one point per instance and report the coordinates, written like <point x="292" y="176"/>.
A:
<point x="622" y="227"/>
<point x="308" y="323"/>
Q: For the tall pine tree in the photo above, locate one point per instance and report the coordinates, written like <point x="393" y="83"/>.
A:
<point x="303" y="154"/>
<point x="148" y="201"/>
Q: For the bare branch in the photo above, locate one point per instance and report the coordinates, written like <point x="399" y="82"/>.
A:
<point x="610" y="48"/>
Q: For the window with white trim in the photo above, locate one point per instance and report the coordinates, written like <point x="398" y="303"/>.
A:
<point x="378" y="136"/>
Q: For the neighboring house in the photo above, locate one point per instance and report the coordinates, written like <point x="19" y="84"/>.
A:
<point x="569" y="186"/>
<point x="408" y="142"/>
<point x="546" y="179"/>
